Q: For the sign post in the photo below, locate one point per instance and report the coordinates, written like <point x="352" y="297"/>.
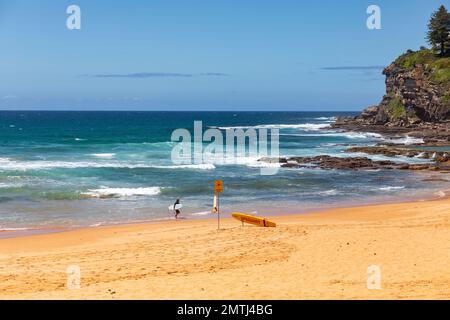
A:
<point x="218" y="189"/>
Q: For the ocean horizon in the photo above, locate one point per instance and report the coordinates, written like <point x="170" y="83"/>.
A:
<point x="69" y="169"/>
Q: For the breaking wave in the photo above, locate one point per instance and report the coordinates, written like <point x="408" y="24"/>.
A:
<point x="106" y="192"/>
<point x="104" y="155"/>
<point x="390" y="188"/>
<point x="406" y="140"/>
<point x="8" y="164"/>
<point x="304" y="127"/>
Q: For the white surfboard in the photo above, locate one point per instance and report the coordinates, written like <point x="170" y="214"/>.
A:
<point x="214" y="208"/>
<point x="177" y="207"/>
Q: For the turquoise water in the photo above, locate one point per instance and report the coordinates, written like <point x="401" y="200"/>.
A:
<point x="70" y="169"/>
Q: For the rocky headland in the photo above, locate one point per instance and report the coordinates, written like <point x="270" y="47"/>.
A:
<point x="416" y="105"/>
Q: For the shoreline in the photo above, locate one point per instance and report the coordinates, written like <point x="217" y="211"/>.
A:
<point x="322" y="255"/>
<point x="30" y="231"/>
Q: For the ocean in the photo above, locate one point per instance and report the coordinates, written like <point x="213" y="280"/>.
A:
<point x="79" y="169"/>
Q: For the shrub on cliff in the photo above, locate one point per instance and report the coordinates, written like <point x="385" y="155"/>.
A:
<point x="446" y="99"/>
<point x="396" y="108"/>
<point x="412" y="58"/>
<point x="438" y="68"/>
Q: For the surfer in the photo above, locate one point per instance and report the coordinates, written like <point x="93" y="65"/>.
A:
<point x="176" y="208"/>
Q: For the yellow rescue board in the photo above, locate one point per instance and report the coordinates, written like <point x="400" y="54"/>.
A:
<point x="257" y="221"/>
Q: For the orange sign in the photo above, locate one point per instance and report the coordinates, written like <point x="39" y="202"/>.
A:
<point x="218" y="186"/>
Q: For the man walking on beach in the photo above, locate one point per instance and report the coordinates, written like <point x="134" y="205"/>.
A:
<point x="176" y="208"/>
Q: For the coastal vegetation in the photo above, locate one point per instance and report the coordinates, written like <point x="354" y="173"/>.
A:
<point x="436" y="60"/>
<point x="396" y="107"/>
<point x="438" y="34"/>
<point x="446" y="99"/>
<point x="437" y="67"/>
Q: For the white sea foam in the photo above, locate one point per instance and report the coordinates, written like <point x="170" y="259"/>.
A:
<point x="332" y="192"/>
<point x="104" y="155"/>
<point x="201" y="213"/>
<point x="326" y="119"/>
<point x="255" y="163"/>
<point x="252" y="162"/>
<point x="364" y="135"/>
<point x="4" y="185"/>
<point x="105" y="192"/>
<point x="201" y="166"/>
<point x="8" y="164"/>
<point x="14" y="229"/>
<point x="328" y="133"/>
<point x="441" y="194"/>
<point x="262" y="164"/>
<point x="98" y="224"/>
<point x="304" y="126"/>
<point x="390" y="188"/>
<point x="405" y="140"/>
<point x="356" y="135"/>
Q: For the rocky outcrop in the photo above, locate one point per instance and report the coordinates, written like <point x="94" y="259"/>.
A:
<point x="417" y="99"/>
<point x="438" y="156"/>
<point x="436" y="134"/>
<point x="352" y="163"/>
<point x="412" y="97"/>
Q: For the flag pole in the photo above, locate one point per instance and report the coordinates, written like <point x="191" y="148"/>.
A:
<point x="218" y="189"/>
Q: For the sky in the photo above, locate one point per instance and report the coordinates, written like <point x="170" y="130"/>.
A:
<point x="203" y="54"/>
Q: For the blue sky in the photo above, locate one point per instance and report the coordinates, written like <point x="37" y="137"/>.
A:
<point x="202" y="54"/>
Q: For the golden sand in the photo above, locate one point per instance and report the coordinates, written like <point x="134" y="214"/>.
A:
<point x="324" y="255"/>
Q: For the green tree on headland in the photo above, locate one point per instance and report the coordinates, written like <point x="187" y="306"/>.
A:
<point x="439" y="30"/>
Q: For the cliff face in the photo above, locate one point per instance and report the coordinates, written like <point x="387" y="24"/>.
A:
<point x="417" y="92"/>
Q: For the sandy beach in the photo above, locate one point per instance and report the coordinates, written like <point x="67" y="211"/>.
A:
<point x="323" y="255"/>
